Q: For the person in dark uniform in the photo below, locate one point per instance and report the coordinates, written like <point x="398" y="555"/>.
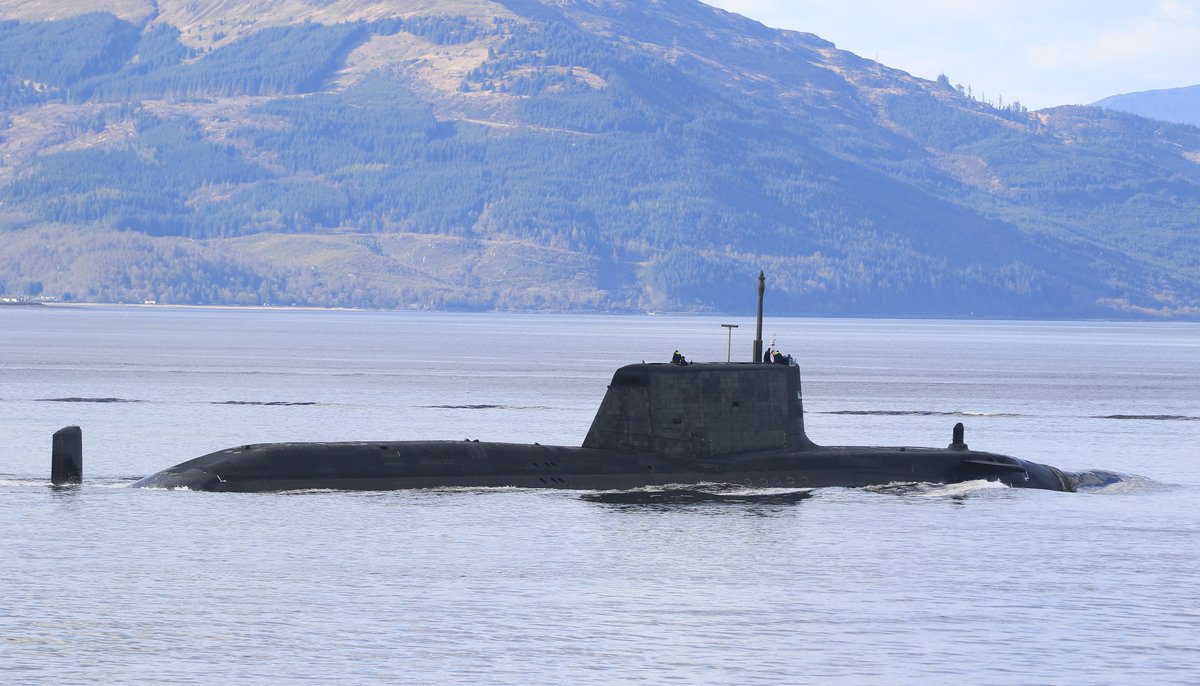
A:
<point x="679" y="359"/>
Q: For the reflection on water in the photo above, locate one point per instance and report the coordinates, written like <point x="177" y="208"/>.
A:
<point x="723" y="494"/>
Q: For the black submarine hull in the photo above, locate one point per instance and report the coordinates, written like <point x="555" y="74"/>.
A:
<point x="466" y="464"/>
<point x="658" y="424"/>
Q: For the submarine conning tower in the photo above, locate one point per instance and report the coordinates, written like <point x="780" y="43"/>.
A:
<point x="701" y="410"/>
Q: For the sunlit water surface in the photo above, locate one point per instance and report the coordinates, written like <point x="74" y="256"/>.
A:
<point x="970" y="583"/>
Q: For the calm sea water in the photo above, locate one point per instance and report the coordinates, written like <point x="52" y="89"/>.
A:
<point x="969" y="583"/>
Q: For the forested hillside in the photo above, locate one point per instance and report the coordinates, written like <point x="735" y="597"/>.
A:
<point x="590" y="155"/>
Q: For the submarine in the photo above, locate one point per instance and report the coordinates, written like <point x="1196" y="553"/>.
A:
<point x="659" y="424"/>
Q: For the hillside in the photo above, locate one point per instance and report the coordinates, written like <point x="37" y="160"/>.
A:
<point x="582" y="155"/>
<point x="1178" y="105"/>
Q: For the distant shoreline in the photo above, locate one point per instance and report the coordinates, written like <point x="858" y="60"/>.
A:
<point x="150" y="306"/>
<point x="314" y="308"/>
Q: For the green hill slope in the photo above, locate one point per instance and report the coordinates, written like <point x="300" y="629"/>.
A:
<point x="585" y="156"/>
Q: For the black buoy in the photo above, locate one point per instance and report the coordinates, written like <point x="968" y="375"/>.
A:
<point x="956" y="442"/>
<point x="66" y="457"/>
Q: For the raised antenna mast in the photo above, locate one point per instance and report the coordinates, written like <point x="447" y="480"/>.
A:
<point x="762" y="287"/>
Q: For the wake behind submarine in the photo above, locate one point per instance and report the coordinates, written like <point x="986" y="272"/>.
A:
<point x="658" y="424"/>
